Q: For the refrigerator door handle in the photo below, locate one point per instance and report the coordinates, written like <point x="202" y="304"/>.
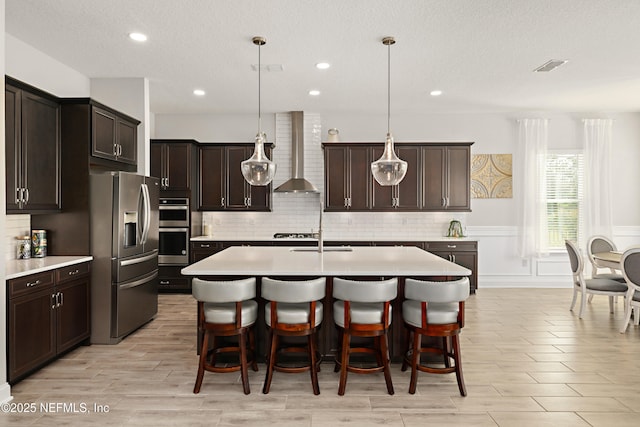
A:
<point x="139" y="259"/>
<point x="146" y="205"/>
<point x="139" y="281"/>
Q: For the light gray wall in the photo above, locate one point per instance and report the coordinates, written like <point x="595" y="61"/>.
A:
<point x="5" y="390"/>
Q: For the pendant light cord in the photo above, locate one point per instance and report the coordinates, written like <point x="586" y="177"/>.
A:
<point x="388" y="88"/>
<point x="259" y="92"/>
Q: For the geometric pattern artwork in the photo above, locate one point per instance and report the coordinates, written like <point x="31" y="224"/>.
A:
<point x="491" y="176"/>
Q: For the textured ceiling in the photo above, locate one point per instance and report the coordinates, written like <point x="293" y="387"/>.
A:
<point x="479" y="53"/>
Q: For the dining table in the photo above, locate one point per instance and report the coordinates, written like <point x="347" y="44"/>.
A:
<point x="610" y="259"/>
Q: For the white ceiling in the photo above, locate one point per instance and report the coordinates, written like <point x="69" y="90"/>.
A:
<point x="479" y="53"/>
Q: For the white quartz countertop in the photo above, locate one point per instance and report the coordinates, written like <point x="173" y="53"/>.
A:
<point x="330" y="239"/>
<point x="23" y="267"/>
<point x="359" y="261"/>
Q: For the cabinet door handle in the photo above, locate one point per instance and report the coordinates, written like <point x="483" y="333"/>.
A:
<point x="74" y="272"/>
<point x="248" y="201"/>
<point x="115" y="149"/>
<point x="167" y="182"/>
<point x="349" y="201"/>
<point x="222" y="202"/>
<point x="119" y="149"/>
<point x="453" y="256"/>
<point x="54" y="300"/>
<point x="444" y="202"/>
<point x="61" y="299"/>
<point x="452" y="246"/>
<point x="165" y="282"/>
<point x="26" y="196"/>
<point x="202" y="245"/>
<point x="346" y="205"/>
<point x="18" y="195"/>
<point x="32" y="284"/>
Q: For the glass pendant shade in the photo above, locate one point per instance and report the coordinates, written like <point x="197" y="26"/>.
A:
<point x="389" y="169"/>
<point x="258" y="169"/>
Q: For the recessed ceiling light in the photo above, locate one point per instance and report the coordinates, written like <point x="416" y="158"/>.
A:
<point x="199" y="92"/>
<point x="139" y="37"/>
<point x="314" y="92"/>
<point x="435" y="93"/>
<point x="322" y="65"/>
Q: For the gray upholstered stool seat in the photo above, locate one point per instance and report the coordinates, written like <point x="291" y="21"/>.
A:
<point x="226" y="312"/>
<point x="293" y="310"/>
<point x="226" y="309"/>
<point x="434" y="309"/>
<point x="292" y="313"/>
<point x="363" y="309"/>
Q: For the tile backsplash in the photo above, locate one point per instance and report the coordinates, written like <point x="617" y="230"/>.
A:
<point x="299" y="213"/>
<point x="15" y="225"/>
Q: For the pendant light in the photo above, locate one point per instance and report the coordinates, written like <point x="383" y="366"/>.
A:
<point x="389" y="169"/>
<point x="258" y="169"/>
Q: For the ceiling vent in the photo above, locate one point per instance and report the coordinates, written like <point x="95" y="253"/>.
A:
<point x="269" y="68"/>
<point x="550" y="65"/>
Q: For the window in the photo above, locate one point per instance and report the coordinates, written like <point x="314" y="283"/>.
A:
<point x="564" y="171"/>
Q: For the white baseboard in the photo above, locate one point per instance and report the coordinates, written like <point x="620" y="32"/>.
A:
<point x="5" y="393"/>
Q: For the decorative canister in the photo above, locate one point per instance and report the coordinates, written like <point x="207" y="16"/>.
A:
<point x="39" y="243"/>
<point x="23" y="247"/>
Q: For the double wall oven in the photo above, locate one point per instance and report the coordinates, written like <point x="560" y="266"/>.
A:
<point x="173" y="234"/>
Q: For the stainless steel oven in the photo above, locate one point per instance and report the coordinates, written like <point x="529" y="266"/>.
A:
<point x="173" y="246"/>
<point x="173" y="233"/>
<point x="174" y="212"/>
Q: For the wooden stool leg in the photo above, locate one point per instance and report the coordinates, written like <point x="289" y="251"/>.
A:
<point x="252" y="349"/>
<point x="271" y="361"/>
<point x="336" y="366"/>
<point x="446" y="351"/>
<point x="244" y="369"/>
<point x="384" y="350"/>
<point x="408" y="347"/>
<point x="314" y="367"/>
<point x="202" y="362"/>
<point x="458" y="362"/>
<point x="344" y="362"/>
<point x="415" y="359"/>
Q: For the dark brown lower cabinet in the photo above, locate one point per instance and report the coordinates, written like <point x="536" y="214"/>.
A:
<point x="48" y="314"/>
<point x="462" y="253"/>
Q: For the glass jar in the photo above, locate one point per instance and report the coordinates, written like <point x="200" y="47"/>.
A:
<point x="23" y="247"/>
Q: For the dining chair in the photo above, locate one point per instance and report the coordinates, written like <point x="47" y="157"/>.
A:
<point x="596" y="286"/>
<point x="631" y="272"/>
<point x="601" y="244"/>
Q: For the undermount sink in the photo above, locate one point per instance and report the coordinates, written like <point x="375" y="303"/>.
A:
<point x="329" y="249"/>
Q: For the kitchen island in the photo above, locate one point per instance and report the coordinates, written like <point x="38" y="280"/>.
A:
<point x="370" y="262"/>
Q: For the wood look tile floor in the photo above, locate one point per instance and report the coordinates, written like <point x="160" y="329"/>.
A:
<point x="527" y="361"/>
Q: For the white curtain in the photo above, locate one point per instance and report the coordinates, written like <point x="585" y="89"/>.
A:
<point x="598" y="135"/>
<point x="532" y="192"/>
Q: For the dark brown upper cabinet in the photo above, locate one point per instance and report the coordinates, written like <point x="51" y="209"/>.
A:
<point x="175" y="163"/>
<point x="446" y="178"/>
<point x="406" y="195"/>
<point x="111" y="136"/>
<point x="347" y="177"/>
<point x="32" y="149"/>
<point x="437" y="178"/>
<point x="222" y="186"/>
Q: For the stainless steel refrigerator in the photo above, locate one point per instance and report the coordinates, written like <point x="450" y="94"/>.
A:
<point x="124" y="245"/>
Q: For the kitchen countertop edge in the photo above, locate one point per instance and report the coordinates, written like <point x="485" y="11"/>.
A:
<point x="329" y="239"/>
<point x="16" y="268"/>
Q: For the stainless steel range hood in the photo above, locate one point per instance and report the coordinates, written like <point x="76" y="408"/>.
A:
<point x="297" y="183"/>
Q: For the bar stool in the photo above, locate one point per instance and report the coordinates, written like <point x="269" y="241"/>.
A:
<point x="226" y="309"/>
<point x="363" y="309"/>
<point x="434" y="309"/>
<point x="294" y="310"/>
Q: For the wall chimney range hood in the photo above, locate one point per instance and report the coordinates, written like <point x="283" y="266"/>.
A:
<point x="297" y="183"/>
